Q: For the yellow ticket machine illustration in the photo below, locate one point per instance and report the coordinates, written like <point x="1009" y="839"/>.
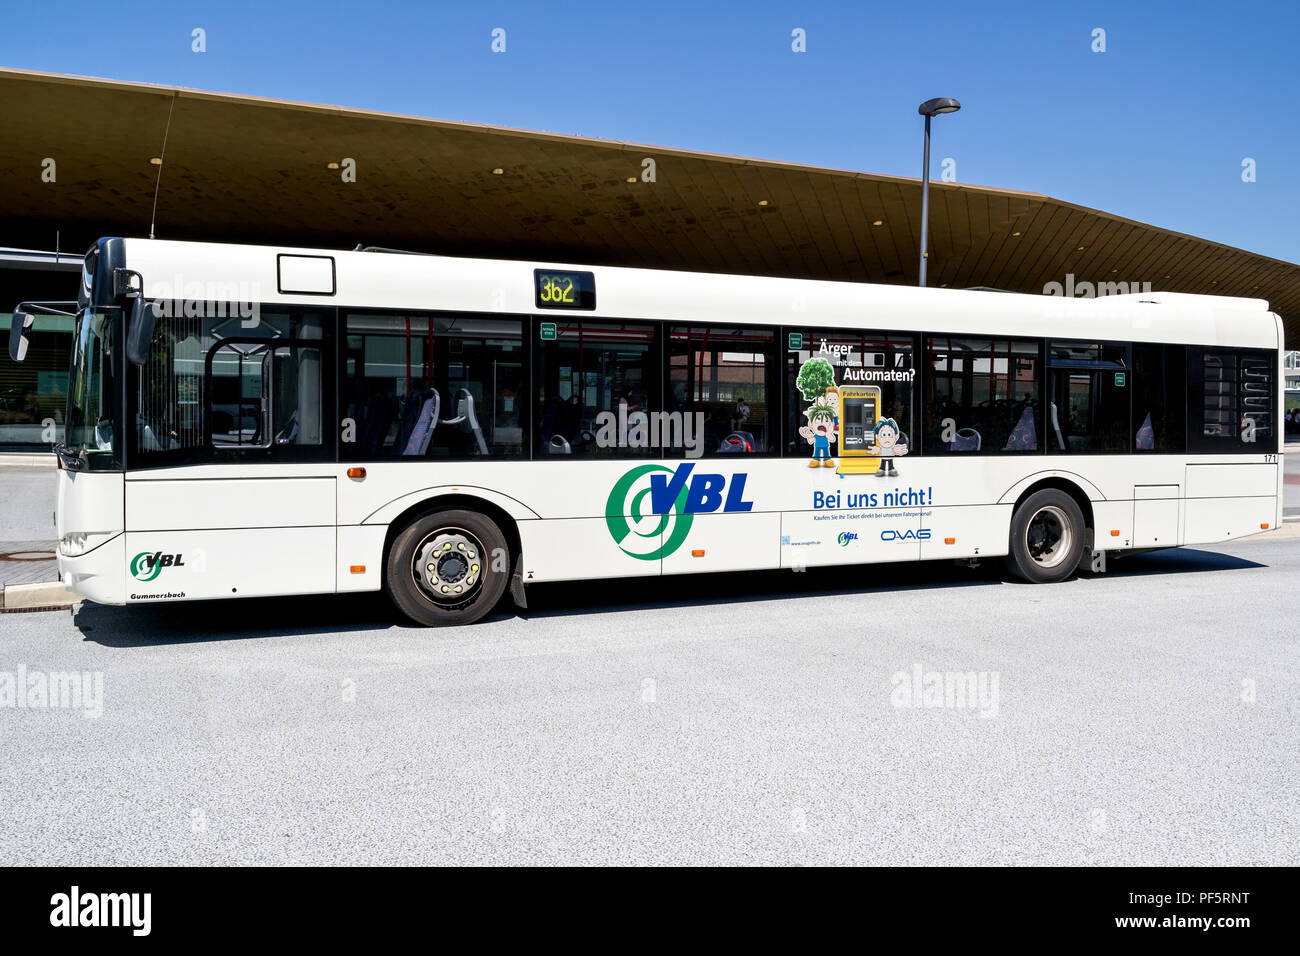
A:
<point x="859" y="412"/>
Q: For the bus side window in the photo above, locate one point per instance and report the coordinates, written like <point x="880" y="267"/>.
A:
<point x="1090" y="387"/>
<point x="217" y="384"/>
<point x="1231" y="400"/>
<point x="597" y="381"/>
<point x="1159" y="398"/>
<point x="983" y="396"/>
<point x="725" y="377"/>
<point x="418" y="386"/>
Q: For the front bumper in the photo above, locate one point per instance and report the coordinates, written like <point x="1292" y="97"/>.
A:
<point x="98" y="575"/>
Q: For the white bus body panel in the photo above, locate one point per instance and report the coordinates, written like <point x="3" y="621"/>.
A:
<point x="1157" y="513"/>
<point x="232" y="562"/>
<point x="1230" y="500"/>
<point x="230" y="537"/>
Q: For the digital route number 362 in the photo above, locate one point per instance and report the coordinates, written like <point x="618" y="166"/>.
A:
<point x="565" y="290"/>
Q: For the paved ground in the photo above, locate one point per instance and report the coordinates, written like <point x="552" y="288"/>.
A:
<point x="27" y="498"/>
<point x="1291" y="480"/>
<point x="27" y="562"/>
<point x="1147" y="716"/>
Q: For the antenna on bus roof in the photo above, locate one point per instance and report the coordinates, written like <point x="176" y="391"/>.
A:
<point x="153" y="216"/>
<point x="400" y="252"/>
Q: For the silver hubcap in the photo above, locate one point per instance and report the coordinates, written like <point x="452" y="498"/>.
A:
<point x="1049" y="537"/>
<point x="449" y="565"/>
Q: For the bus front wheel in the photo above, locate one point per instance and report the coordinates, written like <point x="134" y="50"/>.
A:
<point x="447" y="568"/>
<point x="1047" y="537"/>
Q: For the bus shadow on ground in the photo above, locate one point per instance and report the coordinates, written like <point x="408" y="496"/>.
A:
<point x="743" y="587"/>
<point x="1176" y="561"/>
<point x="144" y="625"/>
<point x="594" y="597"/>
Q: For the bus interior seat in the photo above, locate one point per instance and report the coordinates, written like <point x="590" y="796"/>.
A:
<point x="411" y="410"/>
<point x="289" y="434"/>
<point x="467" y="420"/>
<point x="559" y="445"/>
<point x="1024" y="437"/>
<point x="417" y="442"/>
<point x="151" y="440"/>
<point x="738" y="443"/>
<point x="1146" y="435"/>
<point x="1056" y="427"/>
<point x="966" y="439"/>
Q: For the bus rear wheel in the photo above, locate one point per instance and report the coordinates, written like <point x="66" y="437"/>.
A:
<point x="447" y="568"/>
<point x="1047" y="537"/>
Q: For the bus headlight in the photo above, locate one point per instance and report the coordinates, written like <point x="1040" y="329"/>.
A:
<point x="76" y="543"/>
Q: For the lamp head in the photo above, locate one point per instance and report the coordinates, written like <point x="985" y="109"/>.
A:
<point x="940" y="104"/>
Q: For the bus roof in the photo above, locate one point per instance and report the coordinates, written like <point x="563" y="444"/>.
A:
<point x="394" y="280"/>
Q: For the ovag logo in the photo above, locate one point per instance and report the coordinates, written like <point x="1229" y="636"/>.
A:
<point x="147" y="565"/>
<point x="906" y="535"/>
<point x="845" y="537"/>
<point x="650" y="509"/>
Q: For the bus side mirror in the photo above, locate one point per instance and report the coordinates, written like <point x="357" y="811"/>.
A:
<point x="22" y="321"/>
<point x="139" y="330"/>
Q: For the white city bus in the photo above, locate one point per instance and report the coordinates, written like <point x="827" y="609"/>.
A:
<point x="249" y="421"/>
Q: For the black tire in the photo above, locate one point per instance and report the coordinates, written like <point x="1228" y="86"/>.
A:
<point x="1047" y="537"/>
<point x="465" y="550"/>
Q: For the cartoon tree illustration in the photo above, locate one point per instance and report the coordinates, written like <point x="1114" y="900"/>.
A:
<point x="815" y="377"/>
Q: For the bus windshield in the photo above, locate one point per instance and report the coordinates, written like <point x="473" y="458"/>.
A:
<point x="90" y="434"/>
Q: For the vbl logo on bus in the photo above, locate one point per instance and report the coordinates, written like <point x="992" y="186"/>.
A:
<point x="147" y="565"/>
<point x="651" y="508"/>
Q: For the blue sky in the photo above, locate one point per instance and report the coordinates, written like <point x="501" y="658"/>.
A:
<point x="1154" y="129"/>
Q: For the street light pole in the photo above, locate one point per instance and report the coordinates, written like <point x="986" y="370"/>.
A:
<point x="928" y="109"/>
<point x="925" y="200"/>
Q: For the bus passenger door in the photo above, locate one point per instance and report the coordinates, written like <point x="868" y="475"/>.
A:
<point x="231" y="491"/>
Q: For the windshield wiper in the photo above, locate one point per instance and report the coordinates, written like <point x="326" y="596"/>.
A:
<point x="67" y="459"/>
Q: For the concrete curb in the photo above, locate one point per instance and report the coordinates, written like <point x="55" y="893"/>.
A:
<point x="26" y="597"/>
<point x="1289" y="528"/>
<point x="16" y="460"/>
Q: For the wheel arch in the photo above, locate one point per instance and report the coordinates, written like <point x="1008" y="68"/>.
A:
<point x="482" y="503"/>
<point x="441" y="495"/>
<point x="1077" y="488"/>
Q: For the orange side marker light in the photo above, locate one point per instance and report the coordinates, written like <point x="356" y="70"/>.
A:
<point x="356" y="473"/>
<point x="697" y="553"/>
<point x="1115" y="533"/>
<point x="949" y="540"/>
<point x="358" y="569"/>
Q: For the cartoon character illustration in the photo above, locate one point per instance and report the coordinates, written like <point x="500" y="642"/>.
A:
<point x="818" y="432"/>
<point x="889" y="444"/>
<point x="833" y="400"/>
